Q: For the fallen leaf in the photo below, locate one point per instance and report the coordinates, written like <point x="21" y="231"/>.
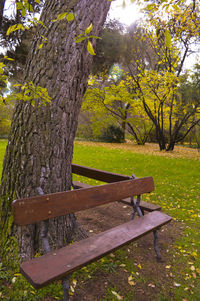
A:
<point x="74" y="282"/>
<point x="132" y="283"/>
<point x="131" y="280"/>
<point x="71" y="288"/>
<point x="117" y="295"/>
<point x="151" y="285"/>
<point x="177" y="284"/>
<point x="192" y="268"/>
<point x="194" y="275"/>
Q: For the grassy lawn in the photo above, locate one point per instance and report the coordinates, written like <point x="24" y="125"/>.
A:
<point x="177" y="187"/>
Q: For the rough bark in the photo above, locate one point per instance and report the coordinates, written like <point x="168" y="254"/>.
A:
<point x="2" y="4"/>
<point x="40" y="147"/>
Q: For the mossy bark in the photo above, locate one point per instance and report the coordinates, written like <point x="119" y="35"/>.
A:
<point x="40" y="147"/>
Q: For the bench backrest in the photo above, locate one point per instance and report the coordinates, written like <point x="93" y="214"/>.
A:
<point x="97" y="174"/>
<point x="34" y="209"/>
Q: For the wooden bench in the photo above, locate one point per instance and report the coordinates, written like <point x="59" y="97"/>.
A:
<point x="58" y="264"/>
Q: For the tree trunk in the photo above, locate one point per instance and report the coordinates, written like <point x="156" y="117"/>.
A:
<point x="170" y="146"/>
<point x="40" y="147"/>
<point x="2" y="4"/>
<point x="160" y="138"/>
<point x="123" y="127"/>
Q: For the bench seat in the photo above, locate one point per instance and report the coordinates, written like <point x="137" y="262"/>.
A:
<point x="59" y="263"/>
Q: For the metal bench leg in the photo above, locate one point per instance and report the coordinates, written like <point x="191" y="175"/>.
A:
<point x="65" y="289"/>
<point x="134" y="208"/>
<point x="158" y="255"/>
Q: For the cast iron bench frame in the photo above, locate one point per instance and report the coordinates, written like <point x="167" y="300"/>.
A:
<point x="60" y="263"/>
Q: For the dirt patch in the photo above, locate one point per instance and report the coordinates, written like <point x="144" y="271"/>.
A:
<point x="150" y="279"/>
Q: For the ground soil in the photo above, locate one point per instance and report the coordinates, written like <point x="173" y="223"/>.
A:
<point x="154" y="274"/>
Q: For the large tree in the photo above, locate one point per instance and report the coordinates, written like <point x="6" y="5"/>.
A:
<point x="40" y="146"/>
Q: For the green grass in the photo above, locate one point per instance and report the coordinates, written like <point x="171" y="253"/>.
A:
<point x="177" y="187"/>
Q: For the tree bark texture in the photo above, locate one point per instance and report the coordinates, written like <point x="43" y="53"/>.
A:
<point x="40" y="147"/>
<point x="2" y="4"/>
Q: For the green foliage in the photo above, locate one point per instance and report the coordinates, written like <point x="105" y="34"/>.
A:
<point x="115" y="97"/>
<point x="110" y="47"/>
<point x="112" y="134"/>
<point x="4" y="127"/>
<point x="36" y="95"/>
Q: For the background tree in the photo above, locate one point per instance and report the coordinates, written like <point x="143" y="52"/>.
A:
<point x="157" y="84"/>
<point x="117" y="98"/>
<point x="110" y="48"/>
<point x="40" y="146"/>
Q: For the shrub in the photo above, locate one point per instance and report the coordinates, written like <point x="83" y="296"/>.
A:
<point x="112" y="133"/>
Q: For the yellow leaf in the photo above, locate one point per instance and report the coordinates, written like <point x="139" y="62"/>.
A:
<point x="90" y="48"/>
<point x="130" y="281"/>
<point x="72" y="289"/>
<point x="89" y="29"/>
<point x="117" y="295"/>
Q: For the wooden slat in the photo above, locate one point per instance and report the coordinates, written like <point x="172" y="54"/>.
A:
<point x="97" y="174"/>
<point x="143" y="205"/>
<point x="38" y="208"/>
<point x="47" y="268"/>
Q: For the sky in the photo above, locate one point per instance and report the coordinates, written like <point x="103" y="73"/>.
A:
<point x="126" y="15"/>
